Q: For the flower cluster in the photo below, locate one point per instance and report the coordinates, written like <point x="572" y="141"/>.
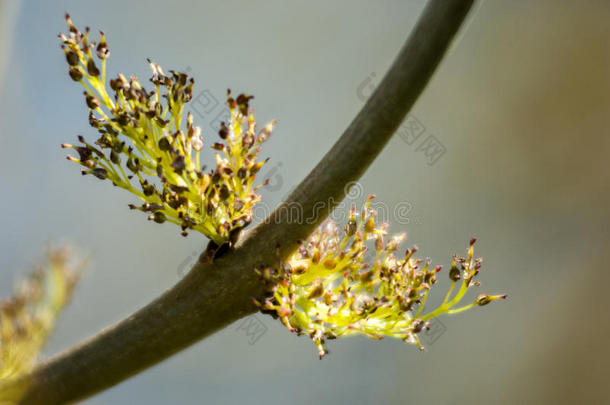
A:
<point x="27" y="318"/>
<point x="145" y="148"/>
<point x="327" y="289"/>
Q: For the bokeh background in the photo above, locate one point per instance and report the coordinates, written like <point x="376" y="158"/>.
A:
<point x="521" y="104"/>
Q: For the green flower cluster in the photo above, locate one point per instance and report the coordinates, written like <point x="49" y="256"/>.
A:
<point x="26" y="319"/>
<point x="145" y="148"/>
<point x="327" y="289"/>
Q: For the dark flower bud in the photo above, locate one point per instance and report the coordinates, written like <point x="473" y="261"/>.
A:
<point x="115" y="158"/>
<point x="92" y="69"/>
<point x="164" y="144"/>
<point x="118" y="147"/>
<point x="350" y="228"/>
<point x="178" y="189"/>
<point x="317" y="290"/>
<point x="367" y="276"/>
<point x="179" y="164"/>
<point x="158" y="217"/>
<point x="75" y="73"/>
<point x="224" y="131"/>
<point x="94" y="122"/>
<point x="102" y="48"/>
<point x="216" y="177"/>
<point x="224" y="192"/>
<point x="83" y="153"/>
<point x="405" y="304"/>
<point x="133" y="165"/>
<point x="188" y="91"/>
<point x="454" y="272"/>
<point x="418" y="325"/>
<point x="161" y="122"/>
<point x="71" y="58"/>
<point x="147" y="189"/>
<point x="152" y="207"/>
<point x="123" y="119"/>
<point x="255" y="168"/>
<point x="115" y="84"/>
<point x="100" y="173"/>
<point x="242" y="102"/>
<point x="92" y="102"/>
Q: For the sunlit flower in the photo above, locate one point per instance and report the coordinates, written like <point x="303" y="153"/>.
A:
<point x="146" y="148"/>
<point x="27" y="318"/>
<point x="329" y="288"/>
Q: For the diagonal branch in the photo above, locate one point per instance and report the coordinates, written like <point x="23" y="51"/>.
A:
<point x="215" y="294"/>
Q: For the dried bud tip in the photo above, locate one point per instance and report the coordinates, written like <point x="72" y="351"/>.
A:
<point x="484" y="299"/>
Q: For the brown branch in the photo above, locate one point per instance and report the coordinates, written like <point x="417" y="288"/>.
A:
<point x="215" y="294"/>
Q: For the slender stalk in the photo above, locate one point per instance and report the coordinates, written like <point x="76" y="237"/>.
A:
<point x="215" y="294"/>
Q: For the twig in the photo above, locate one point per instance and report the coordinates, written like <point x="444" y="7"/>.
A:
<point x="215" y="294"/>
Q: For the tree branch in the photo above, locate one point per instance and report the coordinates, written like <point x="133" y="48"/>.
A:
<point x="215" y="294"/>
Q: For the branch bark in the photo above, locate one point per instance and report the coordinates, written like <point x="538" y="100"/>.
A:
<point x="213" y="295"/>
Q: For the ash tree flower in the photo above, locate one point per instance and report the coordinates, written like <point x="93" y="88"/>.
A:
<point x="327" y="289"/>
<point x="144" y="146"/>
<point x="27" y="318"/>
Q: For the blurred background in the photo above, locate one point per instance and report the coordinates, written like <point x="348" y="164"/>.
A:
<point x="520" y="109"/>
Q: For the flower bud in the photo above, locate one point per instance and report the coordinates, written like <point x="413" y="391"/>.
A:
<point x="265" y="133"/>
<point x="100" y="173"/>
<point x="102" y="48"/>
<point x="92" y="102"/>
<point x="317" y="290"/>
<point x="197" y="140"/>
<point x="72" y="58"/>
<point x="484" y="299"/>
<point x="418" y="325"/>
<point x="75" y="73"/>
<point x="92" y="69"/>
<point x="454" y="272"/>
